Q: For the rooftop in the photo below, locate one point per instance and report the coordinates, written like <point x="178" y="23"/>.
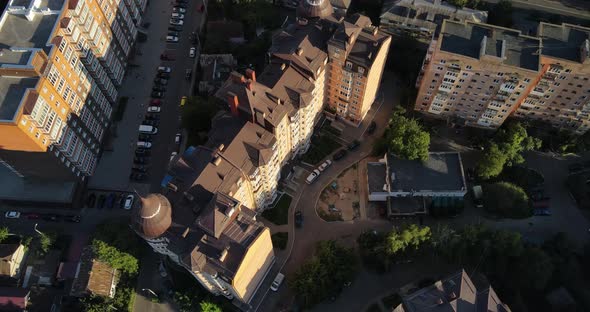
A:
<point x="509" y="46"/>
<point x="563" y="41"/>
<point x="12" y="91"/>
<point x="94" y="276"/>
<point x="13" y="297"/>
<point x="17" y="31"/>
<point x="17" y="57"/>
<point x="441" y="172"/>
<point x="376" y="173"/>
<point x="400" y="206"/>
<point x="413" y="11"/>
<point x="16" y="188"/>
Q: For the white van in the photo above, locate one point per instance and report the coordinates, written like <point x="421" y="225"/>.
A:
<point x="145" y="129"/>
<point x="277" y="282"/>
<point x="312" y="176"/>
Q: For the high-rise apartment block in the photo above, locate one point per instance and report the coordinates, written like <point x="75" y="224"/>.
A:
<point x="60" y="65"/>
<point x="480" y="74"/>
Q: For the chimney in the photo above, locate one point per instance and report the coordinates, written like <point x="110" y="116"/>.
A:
<point x="186" y="231"/>
<point x="249" y="85"/>
<point x="216" y="161"/>
<point x="221" y="147"/>
<point x="223" y="254"/>
<point x="452" y="295"/>
<point x="299" y="51"/>
<point x="283" y="66"/>
<point x="237" y="77"/>
<point x="251" y="74"/>
<point x="232" y="102"/>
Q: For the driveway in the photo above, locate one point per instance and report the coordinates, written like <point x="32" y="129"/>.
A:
<point x="114" y="167"/>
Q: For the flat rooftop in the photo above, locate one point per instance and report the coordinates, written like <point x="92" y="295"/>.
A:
<point x="376" y="174"/>
<point x="19" y="57"/>
<point x="563" y="41"/>
<point x="441" y="172"/>
<point x="17" y="31"/>
<point x="405" y="205"/>
<point x="50" y="4"/>
<point x="514" y="48"/>
<point x="13" y="187"/>
<point x="12" y="90"/>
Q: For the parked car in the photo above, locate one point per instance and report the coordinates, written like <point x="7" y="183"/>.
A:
<point x="32" y="216"/>
<point x="75" y="218"/>
<point x="128" y="203"/>
<point x="277" y="282"/>
<point x="101" y="201"/>
<point x="157" y="94"/>
<point x="174" y="21"/>
<point x="144" y="137"/>
<point x="192" y="52"/>
<point x="175" y="27"/>
<point x="178" y="138"/>
<point x="354" y="145"/>
<point x="144" y="144"/>
<point x="542" y="212"/>
<point x="110" y="200"/>
<point x="179" y="16"/>
<point x="339" y="154"/>
<point x="298" y="219"/>
<point x="173" y="34"/>
<point x="142" y="152"/>
<point x="187" y="73"/>
<point x="312" y="176"/>
<point x="91" y="200"/>
<point x="171" y="39"/>
<point x="372" y="127"/>
<point x="155" y="102"/>
<point x="325" y="165"/>
<point x="161" y="81"/>
<point x="153" y="109"/>
<point x="12" y="214"/>
<point x="178" y="10"/>
<point x="158" y="88"/>
<point x="164" y="69"/>
<point x="164" y="56"/>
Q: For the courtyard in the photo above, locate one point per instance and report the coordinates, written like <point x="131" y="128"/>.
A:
<point x="340" y="199"/>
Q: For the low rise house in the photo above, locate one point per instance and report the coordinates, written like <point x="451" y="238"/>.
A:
<point x="94" y="277"/>
<point x="407" y="185"/>
<point x="454" y="293"/>
<point x="14" y="299"/>
<point x="11" y="257"/>
<point x="215" y="69"/>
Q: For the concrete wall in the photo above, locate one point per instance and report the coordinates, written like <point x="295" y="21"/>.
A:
<point x="374" y="78"/>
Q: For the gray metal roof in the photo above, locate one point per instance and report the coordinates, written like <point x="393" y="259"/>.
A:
<point x="509" y="45"/>
<point x="441" y="172"/>
<point x="377" y="176"/>
<point x="12" y="90"/>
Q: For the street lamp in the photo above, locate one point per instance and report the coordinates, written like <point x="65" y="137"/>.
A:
<point x="150" y="291"/>
<point x="35" y="228"/>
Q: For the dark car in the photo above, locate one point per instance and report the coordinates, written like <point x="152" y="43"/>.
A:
<point x="101" y="200"/>
<point x="298" y="219"/>
<point x="91" y="200"/>
<point x="163" y="75"/>
<point x="354" y="145"/>
<point x="139" y="168"/>
<point x="173" y="33"/>
<point x="339" y="154"/>
<point x="75" y="219"/>
<point x="135" y="176"/>
<point x="111" y="200"/>
<point x="158" y="88"/>
<point x="140" y="160"/>
<point x="51" y="217"/>
<point x="142" y="152"/>
<point x="157" y="94"/>
<point x="160" y="81"/>
<point x="174" y="28"/>
<point x="152" y="117"/>
<point x="372" y="127"/>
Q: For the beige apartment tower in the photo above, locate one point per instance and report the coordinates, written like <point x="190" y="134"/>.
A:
<point x="478" y="75"/>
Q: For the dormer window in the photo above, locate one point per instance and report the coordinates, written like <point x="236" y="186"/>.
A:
<point x="361" y="70"/>
<point x="349" y="65"/>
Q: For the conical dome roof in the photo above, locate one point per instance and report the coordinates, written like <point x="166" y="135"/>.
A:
<point x="154" y="216"/>
<point x="314" y="9"/>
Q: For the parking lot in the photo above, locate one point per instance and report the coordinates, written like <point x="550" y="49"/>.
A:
<point x="156" y="81"/>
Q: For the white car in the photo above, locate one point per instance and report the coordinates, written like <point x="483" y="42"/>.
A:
<point x="128" y="202"/>
<point x="12" y="215"/>
<point x="277" y="282"/>
<point x="164" y="69"/>
<point x="177" y="15"/>
<point x="178" y="10"/>
<point x="173" y="155"/>
<point x="143" y="144"/>
<point x="312" y="176"/>
<point x="177" y="22"/>
<point x="153" y="109"/>
<point x="325" y="165"/>
<point x="171" y="39"/>
<point x="192" y="52"/>
<point x="177" y="138"/>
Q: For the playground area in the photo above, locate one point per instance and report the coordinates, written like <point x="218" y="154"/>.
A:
<point x="339" y="201"/>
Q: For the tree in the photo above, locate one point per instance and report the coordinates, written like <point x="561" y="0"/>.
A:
<point x="492" y="162"/>
<point x="115" y="258"/>
<point x="196" y="117"/>
<point x="46" y="240"/>
<point x="534" y="269"/>
<point x="506" y="200"/>
<point x="459" y="3"/>
<point x="501" y="14"/>
<point x="3" y="233"/>
<point x="407" y="139"/>
<point x="207" y="306"/>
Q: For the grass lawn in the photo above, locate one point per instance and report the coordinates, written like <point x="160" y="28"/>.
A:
<point x="279" y="214"/>
<point x="279" y="240"/>
<point x="392" y="301"/>
<point x="321" y="147"/>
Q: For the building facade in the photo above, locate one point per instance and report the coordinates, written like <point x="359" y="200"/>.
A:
<point x="59" y="79"/>
<point x="479" y="74"/>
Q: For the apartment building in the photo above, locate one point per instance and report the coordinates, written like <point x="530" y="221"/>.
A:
<point x="422" y="18"/>
<point x="60" y="65"/>
<point x="209" y="232"/>
<point x="357" y="53"/>
<point x="480" y="74"/>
